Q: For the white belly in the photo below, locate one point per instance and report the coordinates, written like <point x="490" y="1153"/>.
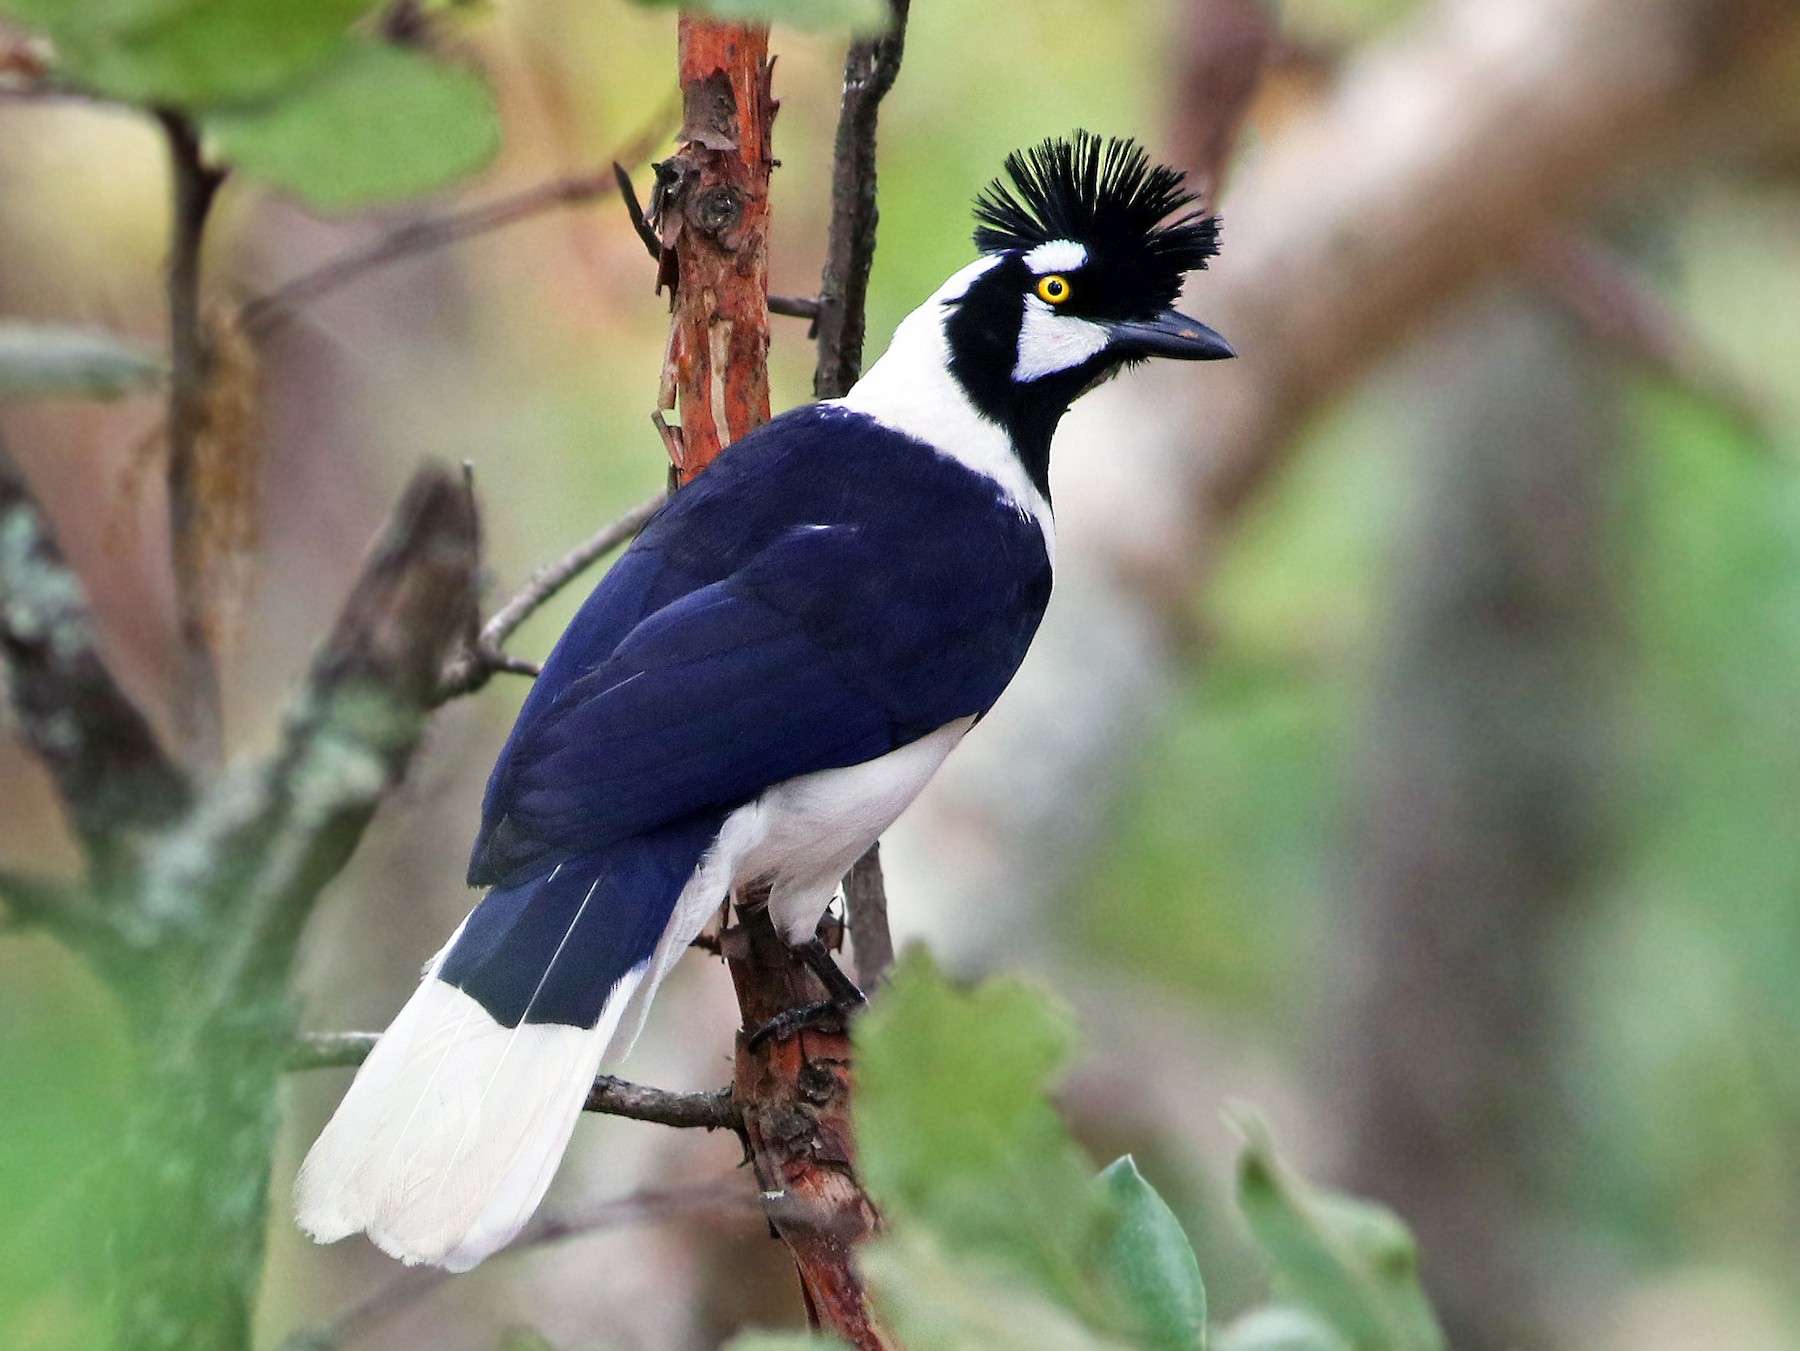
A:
<point x="800" y="837"/>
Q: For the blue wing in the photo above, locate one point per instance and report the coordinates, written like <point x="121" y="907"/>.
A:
<point x="828" y="591"/>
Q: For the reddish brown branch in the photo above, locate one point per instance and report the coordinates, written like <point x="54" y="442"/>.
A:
<point x="713" y="215"/>
<point x="793" y="1093"/>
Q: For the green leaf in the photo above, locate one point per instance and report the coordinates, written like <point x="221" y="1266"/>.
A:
<point x="379" y="124"/>
<point x="1352" y="1263"/>
<point x="41" y="14"/>
<point x="1280" y="1329"/>
<point x="955" y="1130"/>
<point x="1153" y="1263"/>
<point x="861" y="16"/>
<point x="783" y="1341"/>
<point x="199" y="54"/>
<point x="932" y="1299"/>
<point x="56" y="361"/>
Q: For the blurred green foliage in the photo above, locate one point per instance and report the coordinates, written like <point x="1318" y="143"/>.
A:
<point x="196" y="54"/>
<point x="1681" y="983"/>
<point x="1350" y="1264"/>
<point x="285" y="92"/>
<point x="63" y="1075"/>
<point x="955" y="1129"/>
<point x="379" y="123"/>
<point x="1152" y="1263"/>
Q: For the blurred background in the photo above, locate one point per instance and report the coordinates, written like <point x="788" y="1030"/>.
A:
<point x="1413" y="750"/>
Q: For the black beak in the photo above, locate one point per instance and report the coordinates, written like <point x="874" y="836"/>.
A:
<point x="1170" y="334"/>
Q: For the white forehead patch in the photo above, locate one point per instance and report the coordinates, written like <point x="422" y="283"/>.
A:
<point x="1056" y="255"/>
<point x="1051" y="342"/>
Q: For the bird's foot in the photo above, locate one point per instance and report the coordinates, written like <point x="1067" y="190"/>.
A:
<point x="831" y="1014"/>
<point x="827" y="1015"/>
<point x="843" y="991"/>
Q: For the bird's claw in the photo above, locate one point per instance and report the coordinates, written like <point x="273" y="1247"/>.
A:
<point x="827" y="1015"/>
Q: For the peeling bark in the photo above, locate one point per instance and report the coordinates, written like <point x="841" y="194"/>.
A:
<point x="793" y="1092"/>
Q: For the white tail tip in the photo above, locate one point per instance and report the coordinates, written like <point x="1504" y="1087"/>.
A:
<point x="450" y="1134"/>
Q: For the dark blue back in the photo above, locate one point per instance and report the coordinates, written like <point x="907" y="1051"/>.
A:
<point x="827" y="591"/>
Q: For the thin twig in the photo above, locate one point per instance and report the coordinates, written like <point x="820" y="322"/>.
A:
<point x="634" y="210"/>
<point x="267" y="313"/>
<point x="695" y="1111"/>
<point x="869" y="71"/>
<point x="196" y="184"/>
<point x="608" y="1097"/>
<point x="470" y="669"/>
<point x="553" y="577"/>
<point x="330" y="1050"/>
<point x="795" y="307"/>
<point x="413" y="1286"/>
<point x="866" y="915"/>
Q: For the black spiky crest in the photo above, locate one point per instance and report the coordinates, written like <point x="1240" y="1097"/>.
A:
<point x="1106" y="195"/>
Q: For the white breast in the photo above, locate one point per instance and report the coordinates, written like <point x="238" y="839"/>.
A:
<point x="802" y="836"/>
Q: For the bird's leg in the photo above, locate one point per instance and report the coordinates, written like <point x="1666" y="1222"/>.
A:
<point x="843" y="991"/>
<point x="832" y="1014"/>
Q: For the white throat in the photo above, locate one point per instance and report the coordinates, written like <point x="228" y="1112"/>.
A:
<point x="912" y="390"/>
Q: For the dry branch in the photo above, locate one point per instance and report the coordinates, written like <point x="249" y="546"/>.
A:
<point x="246" y="866"/>
<point x="1619" y="310"/>
<point x="869" y="72"/>
<point x="866" y="916"/>
<point x="608" y="1097"/>
<point x="198" y="708"/>
<point x="114" y="780"/>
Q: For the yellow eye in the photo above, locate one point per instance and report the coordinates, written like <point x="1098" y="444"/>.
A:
<point x="1053" y="288"/>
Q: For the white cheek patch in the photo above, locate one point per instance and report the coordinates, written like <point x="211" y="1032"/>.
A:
<point x="1051" y="342"/>
<point x="1056" y="255"/>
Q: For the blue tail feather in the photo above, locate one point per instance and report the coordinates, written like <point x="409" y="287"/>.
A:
<point x="551" y="947"/>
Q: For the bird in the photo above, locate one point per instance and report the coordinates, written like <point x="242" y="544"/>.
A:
<point x="759" y="686"/>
